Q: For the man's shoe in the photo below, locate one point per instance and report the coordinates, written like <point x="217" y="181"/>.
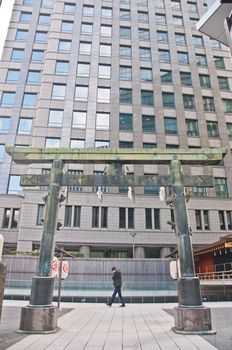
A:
<point x="123" y="305"/>
<point x="108" y="304"/>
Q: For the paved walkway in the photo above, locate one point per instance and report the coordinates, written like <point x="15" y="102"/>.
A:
<point x="98" y="327"/>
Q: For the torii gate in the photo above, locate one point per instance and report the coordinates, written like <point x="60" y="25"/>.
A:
<point x="190" y="316"/>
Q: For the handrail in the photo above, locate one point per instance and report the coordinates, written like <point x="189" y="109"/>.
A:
<point x="222" y="275"/>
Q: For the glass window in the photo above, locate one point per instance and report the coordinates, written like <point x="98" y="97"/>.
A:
<point x="52" y="142"/>
<point x="192" y="7"/>
<point x="219" y="62"/>
<point x="106" y="30"/>
<point x="66" y="26"/>
<point x="88" y="10"/>
<point x="64" y="45"/>
<point x="228" y="125"/>
<point x="33" y="77"/>
<point x="175" y="5"/>
<point x="145" y="53"/>
<point x="102" y="121"/>
<point x="144" y="34"/>
<point x="103" y="95"/>
<point x="227" y="105"/>
<point x="37" y="56"/>
<point x="222" y="220"/>
<point x="164" y="56"/>
<point x="4" y="124"/>
<point x="125" y="144"/>
<point x="125" y="96"/>
<point x="28" y="2"/>
<point x="221" y="187"/>
<point x="199" y="191"/>
<point x="106" y="12"/>
<point x="79" y="119"/>
<point x="162" y="36"/>
<point x="192" y="127"/>
<point x="21" y="35"/>
<point x="61" y="67"/>
<point x="143" y="16"/>
<point x="75" y="188"/>
<point x="149" y="145"/>
<point x="125" y="33"/>
<point x="83" y="69"/>
<point x="185" y="78"/>
<point x="77" y="143"/>
<point x="159" y="3"/>
<point x="215" y="45"/>
<point x="81" y="93"/>
<point x="25" y="17"/>
<point x="125" y="73"/>
<point x="168" y="99"/>
<point x="24" y="126"/>
<point x="29" y="100"/>
<point x="198" y="41"/>
<point x="41" y="37"/>
<point x="6" y="218"/>
<point x="189" y="102"/>
<point x="223" y="83"/>
<point x="68" y="216"/>
<point x="85" y="48"/>
<point x="125" y="14"/>
<point x="14" y="185"/>
<point x="105" y="50"/>
<point x="147" y="98"/>
<point x="55" y="117"/>
<point x="95" y="216"/>
<point x="170" y="126"/>
<point x="212" y="129"/>
<point x="205" y="80"/>
<point x="180" y="39"/>
<point x="166" y="76"/>
<point x="201" y="60"/>
<point x="104" y="217"/>
<point x="69" y="8"/>
<point x="44" y="19"/>
<point x="86" y="28"/>
<point x="8" y="99"/>
<point x="40" y="214"/>
<point x="2" y="151"/>
<point x="198" y="219"/>
<point x="58" y="91"/>
<point x="12" y="75"/>
<point x="160" y="18"/>
<point x="47" y="3"/>
<point x="146" y="74"/>
<point x="104" y="71"/>
<point x="208" y="104"/>
<point x="183" y="57"/>
<point x="102" y="144"/>
<point x="148" y="124"/>
<point x="125" y="122"/>
<point x="125" y="51"/>
<point x="131" y="218"/>
<point x="17" y="55"/>
<point x="178" y="21"/>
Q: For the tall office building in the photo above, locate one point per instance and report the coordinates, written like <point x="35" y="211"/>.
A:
<point x="104" y="73"/>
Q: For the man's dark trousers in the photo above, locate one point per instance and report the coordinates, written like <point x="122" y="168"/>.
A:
<point x="117" y="290"/>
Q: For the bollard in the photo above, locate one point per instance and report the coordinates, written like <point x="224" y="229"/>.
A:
<point x="2" y="284"/>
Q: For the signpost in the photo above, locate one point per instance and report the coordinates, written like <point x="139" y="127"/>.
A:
<point x="190" y="315"/>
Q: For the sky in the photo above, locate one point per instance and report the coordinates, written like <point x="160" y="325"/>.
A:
<point x="5" y="15"/>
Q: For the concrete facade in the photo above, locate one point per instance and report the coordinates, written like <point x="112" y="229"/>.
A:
<point x="62" y="69"/>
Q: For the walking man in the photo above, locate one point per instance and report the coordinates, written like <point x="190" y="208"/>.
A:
<point x="117" y="282"/>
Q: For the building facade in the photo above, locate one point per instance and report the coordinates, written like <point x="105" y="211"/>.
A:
<point x="104" y="73"/>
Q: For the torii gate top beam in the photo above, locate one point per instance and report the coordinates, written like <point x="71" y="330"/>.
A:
<point x="203" y="156"/>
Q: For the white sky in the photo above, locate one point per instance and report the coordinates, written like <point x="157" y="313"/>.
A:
<point x="5" y="15"/>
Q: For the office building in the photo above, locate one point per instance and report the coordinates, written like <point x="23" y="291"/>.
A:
<point x="104" y="73"/>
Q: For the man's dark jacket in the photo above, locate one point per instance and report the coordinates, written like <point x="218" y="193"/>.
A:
<point x="117" y="278"/>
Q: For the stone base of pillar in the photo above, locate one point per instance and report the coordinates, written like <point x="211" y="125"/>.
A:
<point x="193" y="320"/>
<point x="38" y="320"/>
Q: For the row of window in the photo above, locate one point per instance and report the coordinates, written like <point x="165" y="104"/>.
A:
<point x="125" y="74"/>
<point x="125" y="125"/>
<point x="220" y="185"/>
<point x="126" y="218"/>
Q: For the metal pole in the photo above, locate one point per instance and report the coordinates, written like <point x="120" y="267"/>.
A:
<point x="59" y="283"/>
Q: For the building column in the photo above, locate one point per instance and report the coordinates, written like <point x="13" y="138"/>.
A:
<point x="164" y="252"/>
<point x="139" y="252"/>
<point x="85" y="250"/>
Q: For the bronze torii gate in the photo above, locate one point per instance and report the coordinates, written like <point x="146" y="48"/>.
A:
<point x="190" y="315"/>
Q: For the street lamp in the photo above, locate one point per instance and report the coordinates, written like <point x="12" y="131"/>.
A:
<point x="133" y="234"/>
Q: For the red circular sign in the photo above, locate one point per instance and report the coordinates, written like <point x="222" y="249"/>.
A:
<point x="65" y="267"/>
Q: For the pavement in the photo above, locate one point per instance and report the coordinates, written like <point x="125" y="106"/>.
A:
<point x="92" y="326"/>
